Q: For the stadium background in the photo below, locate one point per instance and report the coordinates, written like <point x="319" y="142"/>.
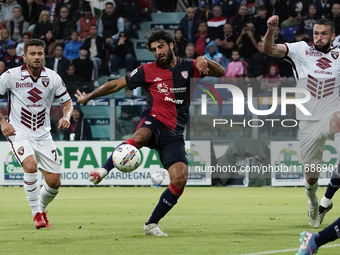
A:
<point x="262" y="145"/>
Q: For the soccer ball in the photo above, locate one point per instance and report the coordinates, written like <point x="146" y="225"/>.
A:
<point x="156" y="179"/>
<point x="126" y="158"/>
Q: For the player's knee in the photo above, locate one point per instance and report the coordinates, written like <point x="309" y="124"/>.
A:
<point x="140" y="140"/>
<point x="312" y="181"/>
<point x="180" y="181"/>
<point x="30" y="167"/>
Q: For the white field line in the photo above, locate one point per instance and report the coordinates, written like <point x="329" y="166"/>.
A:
<point x="287" y="250"/>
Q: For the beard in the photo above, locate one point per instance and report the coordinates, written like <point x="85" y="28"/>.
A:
<point x="323" y="48"/>
<point x="165" y="63"/>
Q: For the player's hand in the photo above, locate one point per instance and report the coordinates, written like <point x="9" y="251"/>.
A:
<point x="64" y="123"/>
<point x="81" y="97"/>
<point x="272" y="22"/>
<point x="7" y="129"/>
<point x="202" y="65"/>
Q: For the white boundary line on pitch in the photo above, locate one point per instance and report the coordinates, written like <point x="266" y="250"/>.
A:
<point x="287" y="250"/>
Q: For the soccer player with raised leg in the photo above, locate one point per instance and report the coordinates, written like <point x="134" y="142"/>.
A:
<point x="317" y="70"/>
<point x="32" y="89"/>
<point x="167" y="85"/>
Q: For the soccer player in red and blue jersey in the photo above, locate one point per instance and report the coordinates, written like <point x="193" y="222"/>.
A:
<point x="167" y="85"/>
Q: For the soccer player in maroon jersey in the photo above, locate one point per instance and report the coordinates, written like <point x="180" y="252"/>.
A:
<point x="316" y="69"/>
<point x="167" y="85"/>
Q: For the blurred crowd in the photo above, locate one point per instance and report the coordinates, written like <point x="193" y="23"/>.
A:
<point x="231" y="32"/>
<point x="82" y="37"/>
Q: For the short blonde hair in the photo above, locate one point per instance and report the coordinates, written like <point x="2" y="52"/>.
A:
<point x="44" y="12"/>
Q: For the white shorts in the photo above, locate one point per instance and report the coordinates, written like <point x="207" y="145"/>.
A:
<point x="44" y="151"/>
<point x="313" y="135"/>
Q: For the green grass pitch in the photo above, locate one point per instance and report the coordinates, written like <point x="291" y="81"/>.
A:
<point x="206" y="220"/>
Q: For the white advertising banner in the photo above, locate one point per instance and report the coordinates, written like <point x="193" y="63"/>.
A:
<point x="286" y="165"/>
<point x="79" y="158"/>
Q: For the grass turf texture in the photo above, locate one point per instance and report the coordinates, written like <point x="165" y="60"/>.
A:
<point x="206" y="220"/>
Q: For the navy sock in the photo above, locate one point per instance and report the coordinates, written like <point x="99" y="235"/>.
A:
<point x="166" y="202"/>
<point x="334" y="184"/>
<point x="108" y="165"/>
<point x="328" y="234"/>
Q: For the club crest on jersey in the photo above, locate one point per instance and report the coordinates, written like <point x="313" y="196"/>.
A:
<point x="185" y="74"/>
<point x="163" y="89"/>
<point x="45" y="81"/>
<point x="335" y="54"/>
<point x="21" y="151"/>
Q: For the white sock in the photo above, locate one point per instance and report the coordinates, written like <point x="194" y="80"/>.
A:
<point x="311" y="193"/>
<point x="325" y="202"/>
<point x="31" y="187"/>
<point x="47" y="194"/>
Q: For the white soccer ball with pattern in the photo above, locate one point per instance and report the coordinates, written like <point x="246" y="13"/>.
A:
<point x="126" y="158"/>
<point x="156" y="179"/>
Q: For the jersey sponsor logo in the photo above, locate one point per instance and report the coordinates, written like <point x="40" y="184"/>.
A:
<point x="320" y="88"/>
<point x="323" y="63"/>
<point x="163" y="89"/>
<point x="178" y="90"/>
<point x="323" y="72"/>
<point x="21" y="151"/>
<point x="175" y="101"/>
<point x="185" y="74"/>
<point x="45" y="81"/>
<point x="24" y="85"/>
<point x="335" y="54"/>
<point x="34" y="95"/>
<point x="313" y="53"/>
<point x="133" y="72"/>
<point x="148" y="122"/>
<point x="157" y="79"/>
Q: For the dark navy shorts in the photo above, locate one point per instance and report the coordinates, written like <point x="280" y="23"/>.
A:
<point x="169" y="144"/>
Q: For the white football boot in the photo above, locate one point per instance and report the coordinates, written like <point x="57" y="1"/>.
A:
<point x="153" y="229"/>
<point x="97" y="175"/>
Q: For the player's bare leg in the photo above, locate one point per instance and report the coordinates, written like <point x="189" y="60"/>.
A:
<point x="31" y="187"/>
<point x="138" y="139"/>
<point x="311" y="186"/>
<point x="178" y="174"/>
<point x="48" y="192"/>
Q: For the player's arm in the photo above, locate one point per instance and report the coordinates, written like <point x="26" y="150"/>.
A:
<point x="108" y="88"/>
<point x="64" y="122"/>
<point x="6" y="128"/>
<point x="209" y="67"/>
<point x="275" y="50"/>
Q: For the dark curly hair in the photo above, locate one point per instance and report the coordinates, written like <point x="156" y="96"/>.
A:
<point x="158" y="35"/>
